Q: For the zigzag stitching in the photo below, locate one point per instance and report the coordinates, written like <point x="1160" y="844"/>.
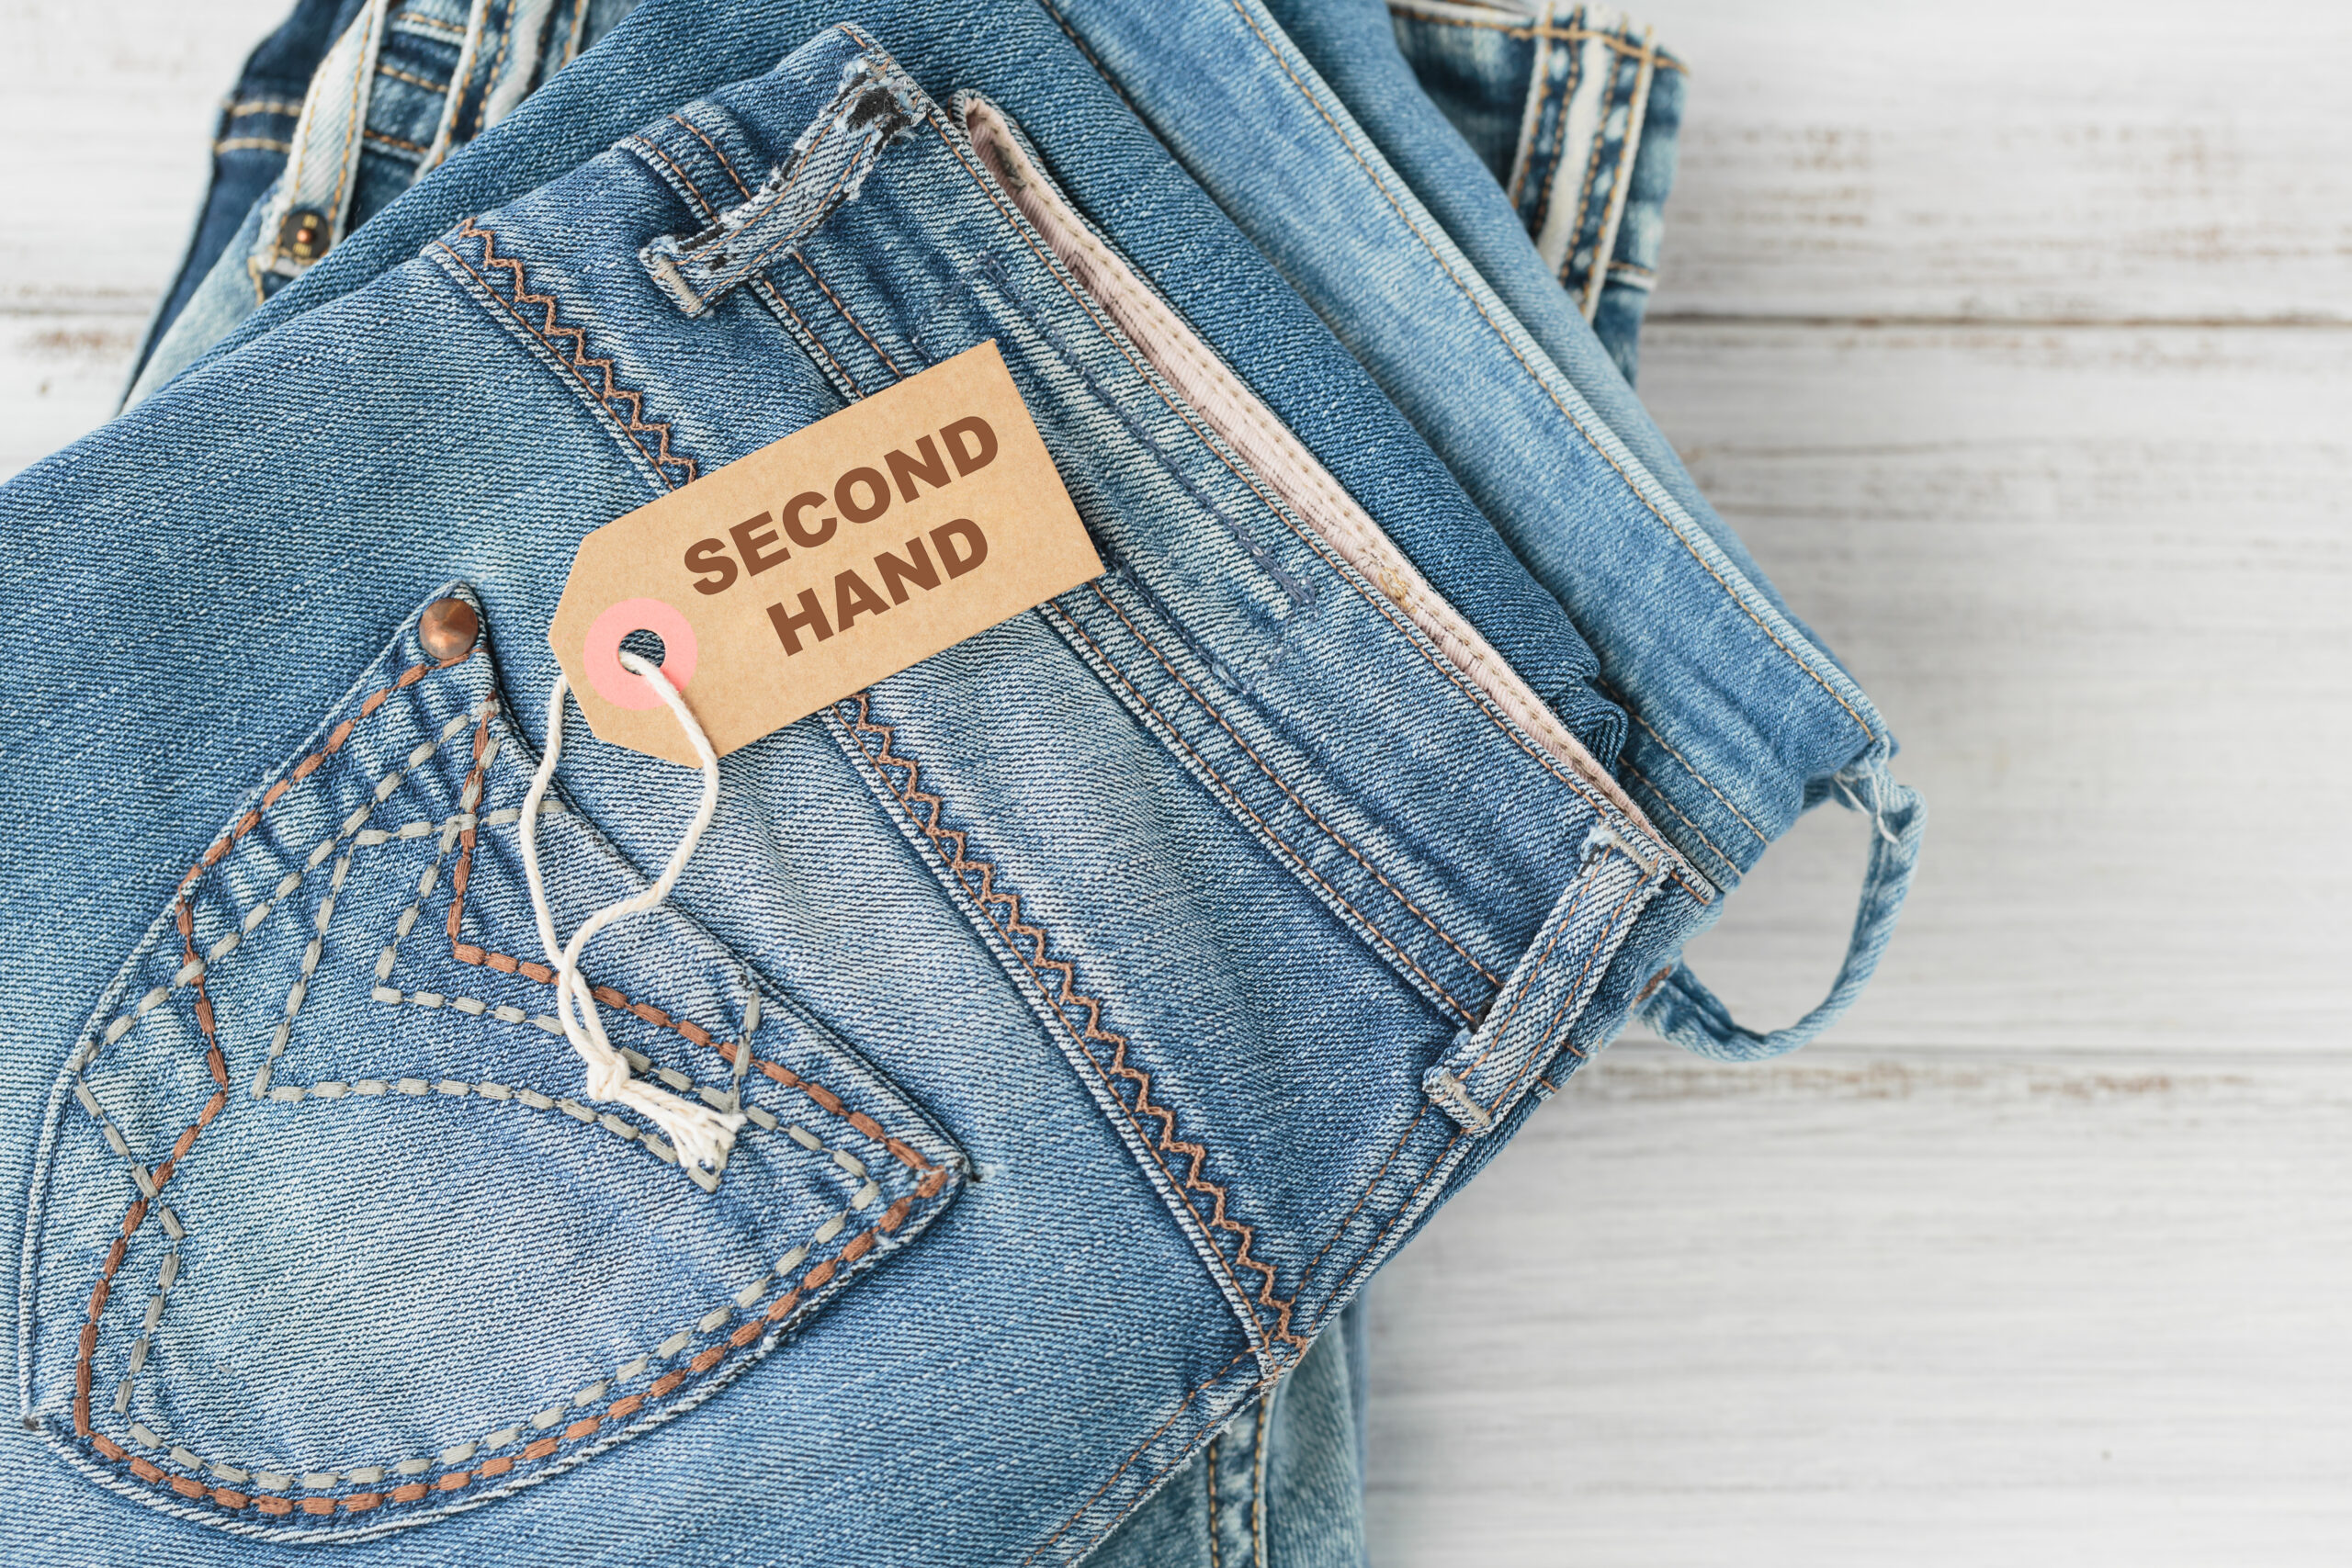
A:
<point x="550" y="328"/>
<point x="915" y="798"/>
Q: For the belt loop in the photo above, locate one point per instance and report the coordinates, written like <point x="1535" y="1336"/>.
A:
<point x="1687" y="1013"/>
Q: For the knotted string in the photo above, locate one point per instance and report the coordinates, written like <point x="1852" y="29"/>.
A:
<point x="701" y="1135"/>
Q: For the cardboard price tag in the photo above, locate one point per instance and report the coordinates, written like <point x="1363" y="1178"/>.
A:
<point x="824" y="561"/>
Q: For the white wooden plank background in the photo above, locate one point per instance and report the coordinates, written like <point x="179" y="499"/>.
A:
<point x="2017" y="339"/>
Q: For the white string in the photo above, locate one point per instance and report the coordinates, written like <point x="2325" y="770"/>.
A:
<point x="701" y="1135"/>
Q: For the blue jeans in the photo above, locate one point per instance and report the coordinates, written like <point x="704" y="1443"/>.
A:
<point x="342" y="108"/>
<point x="1062" y="1048"/>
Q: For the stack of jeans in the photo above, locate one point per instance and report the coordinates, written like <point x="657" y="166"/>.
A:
<point x="1104" y="998"/>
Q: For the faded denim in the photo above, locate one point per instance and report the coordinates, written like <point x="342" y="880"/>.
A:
<point x="1095" y="1014"/>
<point x="338" y="111"/>
<point x="1577" y="111"/>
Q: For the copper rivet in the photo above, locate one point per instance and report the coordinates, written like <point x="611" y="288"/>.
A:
<point x="304" y="235"/>
<point x="448" y="630"/>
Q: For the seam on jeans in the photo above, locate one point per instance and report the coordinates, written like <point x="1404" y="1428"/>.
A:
<point x="1568" y="999"/>
<point x="578" y="360"/>
<point x="1643" y="780"/>
<point x="571" y="39"/>
<point x="1571" y="80"/>
<point x="490" y="78"/>
<point x="683" y="184"/>
<point x="1283" y="785"/>
<point x="1258" y="1488"/>
<point x="766" y="287"/>
<point x="414" y="21"/>
<point x="244" y="106"/>
<point x="381" y="139"/>
<point x="352" y="125"/>
<point x="1500" y="336"/>
<point x="1372" y="1247"/>
<point x="697" y="132"/>
<point x="193" y="968"/>
<point x="1685" y="762"/>
<point x="820" y="210"/>
<point x="1129" y="1463"/>
<point x="1530" y="120"/>
<point x="252" y="144"/>
<point x="412" y="78"/>
<point x="1634" y="267"/>
<point x="1403" y="1140"/>
<point x="1534" y="29"/>
<point x="887" y="362"/>
<point x="1016" y="933"/>
<point x="750" y="1330"/>
<point x="1087" y="50"/>
<point x="1234" y="801"/>
<point x="931" y="1181"/>
<point x="1612" y="205"/>
<point x="1208" y="1457"/>
<point x="467" y="953"/>
<point x="1534" y="972"/>
<point x="1605" y="107"/>
<point x="1594" y="796"/>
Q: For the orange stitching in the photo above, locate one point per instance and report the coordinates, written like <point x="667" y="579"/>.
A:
<point x="1604" y="452"/>
<point x="1014" y="931"/>
<point x="825" y="1100"/>
<point x="620" y="1410"/>
<point x="729" y="168"/>
<point x="853" y="321"/>
<point x="1591" y="958"/>
<point x="581" y="359"/>
<point x="1466" y="1013"/>
<point x="397" y="75"/>
<point x="761" y="284"/>
<point x="1489" y="975"/>
<point x="685" y="184"/>
<point x="1634" y="713"/>
<point x="352" y="124"/>
<point x="1370" y="1187"/>
<point x="185" y="918"/>
<point x="490" y="83"/>
<point x="1569" y="81"/>
<point x="383" y="141"/>
<point x="1128" y="1464"/>
<point x="1372" y="1247"/>
<point x="1645" y="781"/>
<point x="1378" y="602"/>
<point x="889" y="1220"/>
<point x="1608" y="95"/>
<point x="1534" y="29"/>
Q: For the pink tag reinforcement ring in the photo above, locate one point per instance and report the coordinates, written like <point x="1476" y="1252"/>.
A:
<point x="602" y="652"/>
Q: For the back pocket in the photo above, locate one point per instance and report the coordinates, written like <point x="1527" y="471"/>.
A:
<point x="323" y="1240"/>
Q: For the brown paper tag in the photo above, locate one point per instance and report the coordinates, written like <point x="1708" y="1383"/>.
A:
<point x="824" y="561"/>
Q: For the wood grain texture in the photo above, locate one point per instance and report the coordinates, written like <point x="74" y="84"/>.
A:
<point x="2085" y="160"/>
<point x="1871" y="1308"/>
<point x="2013" y="338"/>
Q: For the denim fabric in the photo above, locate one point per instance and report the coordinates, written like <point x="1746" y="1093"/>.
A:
<point x="1454" y="313"/>
<point x="1158" y="959"/>
<point x="250" y="144"/>
<point x="1577" y="111"/>
<point x="386" y="88"/>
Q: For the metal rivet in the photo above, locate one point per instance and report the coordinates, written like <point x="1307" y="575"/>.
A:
<point x="304" y="235"/>
<point x="448" y="630"/>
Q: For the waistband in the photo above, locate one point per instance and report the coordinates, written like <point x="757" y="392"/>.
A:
<point x="834" y="199"/>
